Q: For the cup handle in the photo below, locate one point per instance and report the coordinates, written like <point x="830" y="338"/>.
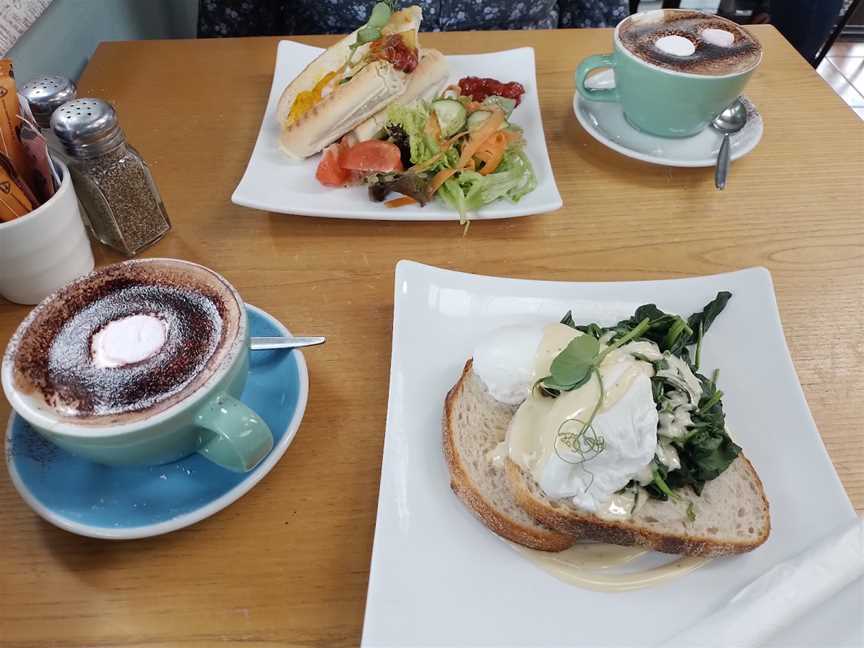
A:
<point x="591" y="63"/>
<point x="238" y="439"/>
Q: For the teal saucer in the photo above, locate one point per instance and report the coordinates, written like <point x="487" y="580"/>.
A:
<point x="605" y="122"/>
<point x="118" y="503"/>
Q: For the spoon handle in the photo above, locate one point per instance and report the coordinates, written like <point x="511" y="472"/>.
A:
<point x="261" y="343"/>
<point x="722" y="163"/>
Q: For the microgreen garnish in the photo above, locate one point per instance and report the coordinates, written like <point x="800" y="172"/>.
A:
<point x="371" y="31"/>
<point x="573" y="366"/>
<point x="585" y="443"/>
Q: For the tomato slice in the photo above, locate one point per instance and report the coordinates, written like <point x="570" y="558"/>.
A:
<point x="330" y="172"/>
<point x="372" y="155"/>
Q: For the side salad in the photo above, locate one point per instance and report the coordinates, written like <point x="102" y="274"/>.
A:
<point x="460" y="147"/>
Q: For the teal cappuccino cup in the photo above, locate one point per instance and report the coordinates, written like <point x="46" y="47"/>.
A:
<point x="62" y="377"/>
<point x="658" y="99"/>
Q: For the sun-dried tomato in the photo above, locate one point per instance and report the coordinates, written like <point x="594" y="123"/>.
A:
<point x="479" y="88"/>
<point x="393" y="49"/>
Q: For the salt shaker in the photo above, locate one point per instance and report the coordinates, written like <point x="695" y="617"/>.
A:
<point x="112" y="180"/>
<point x="44" y="95"/>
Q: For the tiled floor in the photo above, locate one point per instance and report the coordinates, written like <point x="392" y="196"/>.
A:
<point x="843" y="69"/>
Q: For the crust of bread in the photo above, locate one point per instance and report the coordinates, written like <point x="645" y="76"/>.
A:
<point x="625" y="532"/>
<point x="464" y="487"/>
<point x="424" y="83"/>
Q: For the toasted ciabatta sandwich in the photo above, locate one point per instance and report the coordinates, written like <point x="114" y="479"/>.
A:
<point x="350" y="81"/>
<point x="562" y="433"/>
<point x="425" y="83"/>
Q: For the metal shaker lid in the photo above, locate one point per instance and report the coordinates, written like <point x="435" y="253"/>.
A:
<point x="87" y="127"/>
<point x="45" y="94"/>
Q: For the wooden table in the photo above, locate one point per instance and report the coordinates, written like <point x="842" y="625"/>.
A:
<point x="288" y="563"/>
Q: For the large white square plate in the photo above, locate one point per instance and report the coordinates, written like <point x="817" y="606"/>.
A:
<point x="440" y="578"/>
<point x="274" y="182"/>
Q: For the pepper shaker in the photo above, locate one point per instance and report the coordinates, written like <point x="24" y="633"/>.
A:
<point x="44" y="95"/>
<point x="122" y="203"/>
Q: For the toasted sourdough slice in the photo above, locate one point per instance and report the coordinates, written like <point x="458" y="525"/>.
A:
<point x="731" y="515"/>
<point x="474" y="423"/>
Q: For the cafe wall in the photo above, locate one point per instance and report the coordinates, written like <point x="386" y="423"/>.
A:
<point x="62" y="40"/>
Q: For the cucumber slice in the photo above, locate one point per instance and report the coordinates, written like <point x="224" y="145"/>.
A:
<point x="451" y="116"/>
<point x="476" y="119"/>
<point x="504" y="103"/>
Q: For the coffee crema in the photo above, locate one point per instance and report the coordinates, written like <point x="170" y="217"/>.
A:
<point x="71" y="353"/>
<point x="718" y="46"/>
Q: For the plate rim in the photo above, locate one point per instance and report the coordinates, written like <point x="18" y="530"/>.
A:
<point x="192" y="517"/>
<point x="544" y="206"/>
<point x="578" y="101"/>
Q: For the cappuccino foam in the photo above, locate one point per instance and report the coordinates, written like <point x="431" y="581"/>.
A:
<point x="715" y="46"/>
<point x="126" y="342"/>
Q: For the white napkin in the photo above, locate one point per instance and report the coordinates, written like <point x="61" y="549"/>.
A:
<point x="783" y="593"/>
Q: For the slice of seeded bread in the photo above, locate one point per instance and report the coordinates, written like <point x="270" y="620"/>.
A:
<point x="474" y="424"/>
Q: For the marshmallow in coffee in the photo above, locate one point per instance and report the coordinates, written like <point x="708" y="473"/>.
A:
<point x="690" y="41"/>
<point x="128" y="340"/>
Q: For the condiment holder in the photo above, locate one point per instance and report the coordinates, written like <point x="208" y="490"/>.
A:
<point x="45" y="249"/>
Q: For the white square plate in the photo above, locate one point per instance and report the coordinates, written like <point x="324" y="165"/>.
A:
<point x="274" y="182"/>
<point x="440" y="578"/>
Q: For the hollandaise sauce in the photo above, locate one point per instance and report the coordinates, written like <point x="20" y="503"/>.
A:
<point x="597" y="566"/>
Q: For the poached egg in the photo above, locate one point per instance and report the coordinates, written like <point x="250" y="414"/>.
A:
<point x="597" y="461"/>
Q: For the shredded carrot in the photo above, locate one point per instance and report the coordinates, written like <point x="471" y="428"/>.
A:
<point x="439" y="179"/>
<point x="512" y="136"/>
<point x="474" y="105"/>
<point x="433" y="127"/>
<point x="453" y="87"/>
<point x="400" y="202"/>
<point x="491" y="152"/>
<point x="480" y="135"/>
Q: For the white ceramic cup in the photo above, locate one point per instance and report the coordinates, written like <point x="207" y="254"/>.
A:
<point x="45" y="249"/>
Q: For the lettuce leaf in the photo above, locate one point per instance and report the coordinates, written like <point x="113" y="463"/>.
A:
<point x="469" y="191"/>
<point x="413" y="122"/>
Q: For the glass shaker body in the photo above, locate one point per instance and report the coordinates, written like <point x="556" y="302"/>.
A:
<point x="122" y="204"/>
